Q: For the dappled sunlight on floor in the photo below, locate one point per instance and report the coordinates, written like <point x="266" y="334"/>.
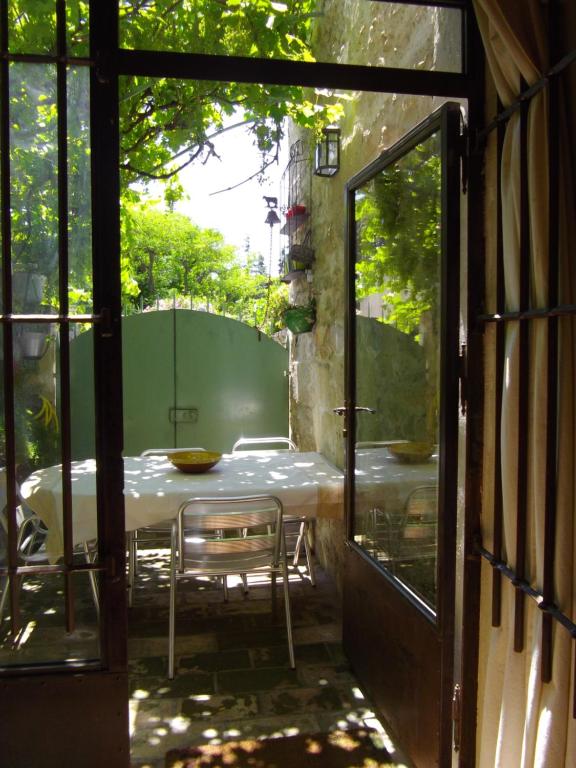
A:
<point x="233" y="679"/>
<point x="233" y="683"/>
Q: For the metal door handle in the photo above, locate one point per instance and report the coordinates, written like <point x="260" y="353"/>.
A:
<point x="341" y="410"/>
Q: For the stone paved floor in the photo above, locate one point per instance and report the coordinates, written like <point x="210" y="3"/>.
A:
<point x="233" y="677"/>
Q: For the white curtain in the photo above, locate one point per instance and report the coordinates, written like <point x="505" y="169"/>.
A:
<point x="523" y="723"/>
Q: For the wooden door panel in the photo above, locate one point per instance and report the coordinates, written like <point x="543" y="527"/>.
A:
<point x="402" y="420"/>
<point x="403" y="680"/>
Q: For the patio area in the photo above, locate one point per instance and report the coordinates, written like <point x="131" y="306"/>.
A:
<point x="233" y="679"/>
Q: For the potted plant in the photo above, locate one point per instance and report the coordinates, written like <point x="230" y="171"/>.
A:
<point x="300" y="318"/>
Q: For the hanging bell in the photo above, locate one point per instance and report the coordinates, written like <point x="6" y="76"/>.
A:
<point x="272" y="218"/>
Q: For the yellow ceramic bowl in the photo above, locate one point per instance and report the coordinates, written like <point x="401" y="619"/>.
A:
<point x="195" y="461"/>
<point x="411" y="453"/>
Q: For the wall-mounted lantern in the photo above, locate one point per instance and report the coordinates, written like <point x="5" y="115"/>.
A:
<point x="328" y="152"/>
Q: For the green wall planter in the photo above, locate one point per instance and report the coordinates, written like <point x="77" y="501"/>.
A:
<point x="300" y="319"/>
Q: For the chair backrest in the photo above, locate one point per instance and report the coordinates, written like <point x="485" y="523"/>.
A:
<point x="260" y="442"/>
<point x="229" y="534"/>
<point x="421" y="514"/>
<point x="168" y="451"/>
<point x="31" y="530"/>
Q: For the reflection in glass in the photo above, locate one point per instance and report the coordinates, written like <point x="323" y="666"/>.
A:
<point x="32" y="27"/>
<point x="36" y="414"/>
<point x="34" y="186"/>
<point x="377" y="34"/>
<point x="43" y="637"/>
<point x="79" y="192"/>
<point x="398" y="257"/>
<point x="30" y="31"/>
<point x="77" y="15"/>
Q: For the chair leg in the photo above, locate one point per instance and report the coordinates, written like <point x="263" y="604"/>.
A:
<point x="90" y="557"/>
<point x="288" y="613"/>
<point x="172" y="621"/>
<point x="299" y="540"/>
<point x="309" y="555"/>
<point x="4" y="596"/>
<point x="273" y="594"/>
<point x="131" y="536"/>
<point x="6" y="590"/>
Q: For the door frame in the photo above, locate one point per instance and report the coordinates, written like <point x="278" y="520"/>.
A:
<point x="81" y="705"/>
<point x="428" y="630"/>
<point x="108" y="62"/>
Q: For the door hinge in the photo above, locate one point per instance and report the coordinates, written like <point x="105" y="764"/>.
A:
<point x="463" y="377"/>
<point x="456" y="717"/>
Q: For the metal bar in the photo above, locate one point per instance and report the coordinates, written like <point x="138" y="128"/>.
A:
<point x="8" y="338"/>
<point x="470" y="587"/>
<point x="62" y="110"/>
<point x="528" y="94"/>
<point x="10" y="319"/>
<point x="349" y="415"/>
<point x="104" y="138"/>
<point x="44" y="58"/>
<point x="26" y="570"/>
<point x="86" y="665"/>
<point x="447" y="418"/>
<point x="523" y="382"/>
<point x="561" y="310"/>
<point x="499" y="352"/>
<point x="523" y="586"/>
<point x="279" y="72"/>
<point x="552" y="368"/>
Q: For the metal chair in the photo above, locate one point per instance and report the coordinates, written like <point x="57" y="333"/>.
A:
<point x="298" y="528"/>
<point x="30" y="538"/>
<point x="285" y="442"/>
<point x="157" y="534"/>
<point x="401" y="538"/>
<point x="250" y="540"/>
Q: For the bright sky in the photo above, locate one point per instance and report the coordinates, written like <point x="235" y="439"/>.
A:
<point x="239" y="213"/>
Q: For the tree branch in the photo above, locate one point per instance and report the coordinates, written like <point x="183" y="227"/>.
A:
<point x="253" y="176"/>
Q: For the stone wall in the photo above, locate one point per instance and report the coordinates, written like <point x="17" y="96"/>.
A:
<point x="353" y="32"/>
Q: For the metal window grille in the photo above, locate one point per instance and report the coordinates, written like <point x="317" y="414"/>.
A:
<point x="527" y="315"/>
<point x="8" y="319"/>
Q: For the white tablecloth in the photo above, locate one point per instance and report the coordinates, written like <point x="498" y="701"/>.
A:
<point x="385" y="482"/>
<point x="306" y="483"/>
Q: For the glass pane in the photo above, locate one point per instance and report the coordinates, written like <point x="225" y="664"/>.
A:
<point x="333" y="31"/>
<point x="43" y="638"/>
<point x="79" y="192"/>
<point x="38" y="397"/>
<point x="34" y="187"/>
<point x="77" y="16"/>
<point x="32" y="26"/>
<point x="398" y="255"/>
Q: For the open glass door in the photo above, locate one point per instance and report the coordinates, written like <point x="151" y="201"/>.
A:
<point x="63" y="680"/>
<point x="402" y="419"/>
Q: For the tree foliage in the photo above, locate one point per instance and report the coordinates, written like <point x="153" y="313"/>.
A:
<point x="166" y="124"/>
<point x="398" y="225"/>
<point x="173" y="257"/>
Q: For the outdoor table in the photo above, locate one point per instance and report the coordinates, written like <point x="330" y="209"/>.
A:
<point x="384" y="481"/>
<point x="306" y="484"/>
